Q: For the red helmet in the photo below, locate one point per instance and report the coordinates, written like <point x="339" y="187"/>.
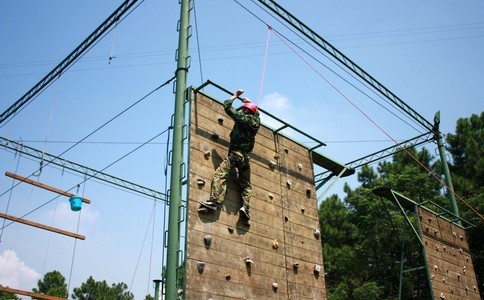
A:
<point x="251" y="106"/>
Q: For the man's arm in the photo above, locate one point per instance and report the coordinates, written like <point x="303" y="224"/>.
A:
<point x="228" y="104"/>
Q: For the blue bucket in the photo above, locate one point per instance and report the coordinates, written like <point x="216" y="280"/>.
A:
<point x="76" y="203"/>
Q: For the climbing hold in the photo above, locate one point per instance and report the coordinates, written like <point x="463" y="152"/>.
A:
<point x="454" y="234"/>
<point x="317" y="234"/>
<point x="436" y="268"/>
<point x="207" y="240"/>
<point x="248" y="261"/>
<point x="200" y="267"/>
<point x="200" y="182"/>
<point x="426" y="229"/>
<point x="271" y="196"/>
<point x="295" y="267"/>
<point x="443" y="247"/>
<point x="286" y="219"/>
<point x="443" y="280"/>
<point x="475" y="288"/>
<point x="460" y="250"/>
<point x="272" y="165"/>
<point x="220" y="120"/>
<point x="275" y="244"/>
<point x="206" y="154"/>
<point x="308" y="193"/>
<point x="467" y="258"/>
<point x="437" y="247"/>
<point x="276" y="156"/>
<point x="432" y="276"/>
<point x="458" y="276"/>
<point x="299" y="167"/>
<point x="303" y="210"/>
<point x="288" y="183"/>
<point x="435" y="231"/>
<point x="467" y="288"/>
<point x="442" y="296"/>
<point x="461" y="237"/>
<point x="453" y="253"/>
<point x="215" y="136"/>
<point x="317" y="269"/>
<point x="275" y="286"/>
<point x="231" y="230"/>
<point x="228" y="276"/>
<point x="286" y="150"/>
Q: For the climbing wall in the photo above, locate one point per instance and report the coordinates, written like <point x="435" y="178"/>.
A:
<point x="449" y="261"/>
<point x="279" y="256"/>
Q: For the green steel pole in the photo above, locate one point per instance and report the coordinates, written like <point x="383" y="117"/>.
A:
<point x="445" y="166"/>
<point x="157" y="288"/>
<point x="171" y="287"/>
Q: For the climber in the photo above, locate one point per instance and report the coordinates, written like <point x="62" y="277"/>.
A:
<point x="242" y="139"/>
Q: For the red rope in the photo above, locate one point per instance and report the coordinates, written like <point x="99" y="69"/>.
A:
<point x="379" y="127"/>
<point x="265" y="63"/>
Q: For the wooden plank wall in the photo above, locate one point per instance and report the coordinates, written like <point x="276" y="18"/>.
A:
<point x="283" y="212"/>
<point x="449" y="261"/>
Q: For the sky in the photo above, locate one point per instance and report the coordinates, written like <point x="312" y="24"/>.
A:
<point x="428" y="53"/>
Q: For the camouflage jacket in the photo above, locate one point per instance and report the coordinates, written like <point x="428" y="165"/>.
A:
<point x="243" y="134"/>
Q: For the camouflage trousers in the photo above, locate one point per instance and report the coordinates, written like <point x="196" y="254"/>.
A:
<point x="240" y="161"/>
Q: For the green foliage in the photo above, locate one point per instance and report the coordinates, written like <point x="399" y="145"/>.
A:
<point x="92" y="289"/>
<point x="368" y="291"/>
<point x="53" y="284"/>
<point x="8" y="296"/>
<point x="466" y="147"/>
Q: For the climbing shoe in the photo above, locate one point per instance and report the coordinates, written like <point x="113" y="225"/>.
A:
<point x="209" y="205"/>
<point x="244" y="210"/>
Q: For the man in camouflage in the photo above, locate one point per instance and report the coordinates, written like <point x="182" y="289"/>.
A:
<point x="242" y="139"/>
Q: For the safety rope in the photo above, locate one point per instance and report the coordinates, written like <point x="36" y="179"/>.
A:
<point x="264" y="65"/>
<point x="379" y="127"/>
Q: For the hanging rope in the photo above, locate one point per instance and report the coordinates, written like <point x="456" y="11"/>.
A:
<point x="142" y="246"/>
<point x="264" y="65"/>
<point x="77" y="231"/>
<point x="198" y="42"/>
<point x="112" y="45"/>
<point x="380" y="128"/>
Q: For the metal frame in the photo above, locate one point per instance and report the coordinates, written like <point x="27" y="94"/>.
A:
<point x="47" y="158"/>
<point x="404" y="203"/>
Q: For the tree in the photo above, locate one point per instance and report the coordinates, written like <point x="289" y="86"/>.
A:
<point x="8" y="296"/>
<point x="92" y="289"/>
<point x="53" y="284"/>
<point x="467" y="151"/>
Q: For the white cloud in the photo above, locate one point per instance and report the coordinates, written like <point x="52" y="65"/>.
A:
<point x="279" y="106"/>
<point x="15" y="273"/>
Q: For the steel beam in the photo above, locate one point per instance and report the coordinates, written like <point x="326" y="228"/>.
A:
<point x="91" y="173"/>
<point x="344" y="60"/>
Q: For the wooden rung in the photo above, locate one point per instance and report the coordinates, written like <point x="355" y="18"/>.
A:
<point x="41" y="226"/>
<point x="44" y="186"/>
<point x="30" y="294"/>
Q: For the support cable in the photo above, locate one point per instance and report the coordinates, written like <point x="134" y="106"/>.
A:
<point x="102" y="126"/>
<point x="142" y="246"/>
<point x="381" y="129"/>
<point x="89" y="177"/>
<point x="198" y="42"/>
<point x="264" y="65"/>
<point x="336" y="54"/>
<point x="77" y="231"/>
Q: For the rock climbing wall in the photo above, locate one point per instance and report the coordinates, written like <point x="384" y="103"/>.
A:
<point x="449" y="262"/>
<point x="279" y="256"/>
